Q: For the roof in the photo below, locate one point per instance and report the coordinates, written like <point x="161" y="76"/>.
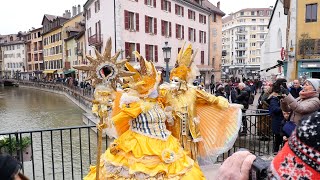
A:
<point x="229" y="18"/>
<point x="274" y="9"/>
<point x="212" y="7"/>
<point x="52" y="17"/>
<point x="13" y="43"/>
<point x="37" y="29"/>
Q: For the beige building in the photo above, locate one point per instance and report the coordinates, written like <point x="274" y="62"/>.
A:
<point x="34" y="52"/>
<point x="243" y="34"/>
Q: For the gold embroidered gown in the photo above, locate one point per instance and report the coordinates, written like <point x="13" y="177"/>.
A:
<point x="145" y="149"/>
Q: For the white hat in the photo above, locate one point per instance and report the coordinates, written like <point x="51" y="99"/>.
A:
<point x="315" y="83"/>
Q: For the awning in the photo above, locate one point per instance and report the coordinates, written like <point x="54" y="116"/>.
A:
<point x="49" y="71"/>
<point x="69" y="71"/>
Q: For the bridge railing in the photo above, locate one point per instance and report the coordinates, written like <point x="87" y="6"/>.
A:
<point x="67" y="153"/>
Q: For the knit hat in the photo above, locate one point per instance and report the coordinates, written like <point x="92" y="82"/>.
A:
<point x="300" y="157"/>
<point x="315" y="83"/>
<point x="8" y="167"/>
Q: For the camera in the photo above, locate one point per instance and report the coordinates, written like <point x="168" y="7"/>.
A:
<point x="259" y="169"/>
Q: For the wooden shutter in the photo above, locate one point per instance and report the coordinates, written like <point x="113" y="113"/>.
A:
<point x="205" y="19"/>
<point x="155" y="25"/>
<point x="182" y="27"/>
<point x="189" y="16"/>
<point x="199" y="18"/>
<point x="126" y="19"/>
<point x="169" y="6"/>
<point x="146" y="24"/>
<point x="194" y="34"/>
<point x="205" y="37"/>
<point x="162" y="6"/>
<point x="138" y="47"/>
<point x="137" y="21"/>
<point x="126" y="45"/>
<point x="189" y="34"/>
<point x="145" y="1"/>
<point x="202" y="57"/>
<point x="154" y="3"/>
<point x="147" y="52"/>
<point x="156" y="54"/>
<point x="170" y="34"/>
<point x="162" y="28"/>
<point x="200" y="37"/>
<point x="177" y="29"/>
<point x="176" y="9"/>
<point x="182" y="11"/>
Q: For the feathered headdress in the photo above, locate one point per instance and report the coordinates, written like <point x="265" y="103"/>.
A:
<point x="183" y="65"/>
<point x="146" y="79"/>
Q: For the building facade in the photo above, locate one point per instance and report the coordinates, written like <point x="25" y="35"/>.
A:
<point x="14" y="58"/>
<point x="275" y="43"/>
<point x="34" y="48"/>
<point x="243" y="34"/>
<point x="81" y="54"/>
<point x="308" y="39"/>
<point x="145" y="26"/>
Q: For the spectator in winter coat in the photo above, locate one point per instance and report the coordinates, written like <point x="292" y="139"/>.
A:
<point x="307" y="102"/>
<point x="234" y="93"/>
<point x="227" y="89"/>
<point x="295" y="89"/>
<point x="243" y="98"/>
<point x="220" y="91"/>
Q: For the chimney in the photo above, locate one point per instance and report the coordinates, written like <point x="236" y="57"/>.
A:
<point x="69" y="14"/>
<point x="74" y="11"/>
<point x="218" y="4"/>
<point x="79" y="9"/>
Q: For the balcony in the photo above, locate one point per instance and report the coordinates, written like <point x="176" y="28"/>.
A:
<point x="241" y="32"/>
<point x="241" y="56"/>
<point x="241" y="48"/>
<point x="95" y="40"/>
<point x="241" y="40"/>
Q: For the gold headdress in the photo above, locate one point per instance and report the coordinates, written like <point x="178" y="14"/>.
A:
<point x="183" y="64"/>
<point x="145" y="81"/>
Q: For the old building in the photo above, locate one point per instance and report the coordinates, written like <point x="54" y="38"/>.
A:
<point x="243" y="34"/>
<point x="35" y="52"/>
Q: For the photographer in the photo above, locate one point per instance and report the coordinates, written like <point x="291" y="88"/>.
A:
<point x="307" y="102"/>
<point x="296" y="160"/>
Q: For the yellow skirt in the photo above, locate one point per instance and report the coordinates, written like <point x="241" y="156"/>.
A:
<point x="135" y="156"/>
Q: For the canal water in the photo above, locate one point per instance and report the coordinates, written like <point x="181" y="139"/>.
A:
<point x="58" y="154"/>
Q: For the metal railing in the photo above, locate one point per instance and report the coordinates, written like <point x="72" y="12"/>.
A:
<point x="67" y="153"/>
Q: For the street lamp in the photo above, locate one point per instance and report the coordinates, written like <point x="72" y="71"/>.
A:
<point x="167" y="55"/>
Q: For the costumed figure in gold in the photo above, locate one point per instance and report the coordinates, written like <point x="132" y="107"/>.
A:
<point x="204" y="124"/>
<point x="144" y="148"/>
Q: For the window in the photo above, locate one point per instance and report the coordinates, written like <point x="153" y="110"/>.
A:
<point x="179" y="10"/>
<point x="214" y="17"/>
<point x="311" y="12"/>
<point x="262" y="28"/>
<point x="252" y="13"/>
<point x="202" y="19"/>
<point x="269" y="13"/>
<point x="215" y="33"/>
<point x="262" y="20"/>
<point x="260" y="13"/>
<point x="179" y="31"/>
<point x="18" y="46"/>
<point x="165" y="28"/>
<point x="202" y="57"/>
<point x="88" y="14"/>
<point x="151" y="53"/>
<point x="253" y="44"/>
<point x="192" y="35"/>
<point x="97" y="6"/>
<point x="131" y="21"/>
<point x="129" y="48"/>
<point x="253" y="36"/>
<point x="152" y="3"/>
<point x="241" y="13"/>
<point x="202" y="37"/>
<point x="261" y="36"/>
<point x="166" y="5"/>
<point x="150" y="25"/>
<point x="253" y="20"/>
<point x="191" y="15"/>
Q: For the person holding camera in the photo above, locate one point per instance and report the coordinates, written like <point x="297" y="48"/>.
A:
<point x="307" y="102"/>
<point x="298" y="159"/>
<point x="10" y="169"/>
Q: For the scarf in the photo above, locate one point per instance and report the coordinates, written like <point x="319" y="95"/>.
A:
<point x="309" y="94"/>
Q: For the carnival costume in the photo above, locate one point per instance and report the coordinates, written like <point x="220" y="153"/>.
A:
<point x="204" y="124"/>
<point x="144" y="149"/>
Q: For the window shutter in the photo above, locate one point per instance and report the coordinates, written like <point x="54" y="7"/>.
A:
<point x="170" y="34"/>
<point x="205" y="37"/>
<point x="162" y="28"/>
<point x="202" y="57"/>
<point x="200" y="37"/>
<point x="176" y="9"/>
<point x="138" y="47"/>
<point x="162" y="8"/>
<point x="177" y="29"/>
<point x="145" y="1"/>
<point x="137" y="21"/>
<point x="126" y="45"/>
<point x="205" y="19"/>
<point x="194" y="34"/>
<point x="199" y="18"/>
<point x="146" y="24"/>
<point x="169" y="6"/>
<point x="189" y="34"/>
<point x="182" y="32"/>
<point x="154" y="3"/>
<point x="182" y="11"/>
<point x="155" y="25"/>
<point x="126" y="19"/>
<point x="189" y="14"/>
<point x="147" y="52"/>
<point x="156" y="54"/>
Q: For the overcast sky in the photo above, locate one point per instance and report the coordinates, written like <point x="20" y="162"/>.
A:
<point x="22" y="15"/>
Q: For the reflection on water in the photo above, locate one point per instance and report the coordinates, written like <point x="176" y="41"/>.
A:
<point x="27" y="109"/>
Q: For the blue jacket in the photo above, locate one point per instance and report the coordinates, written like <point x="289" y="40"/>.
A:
<point x="276" y="115"/>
